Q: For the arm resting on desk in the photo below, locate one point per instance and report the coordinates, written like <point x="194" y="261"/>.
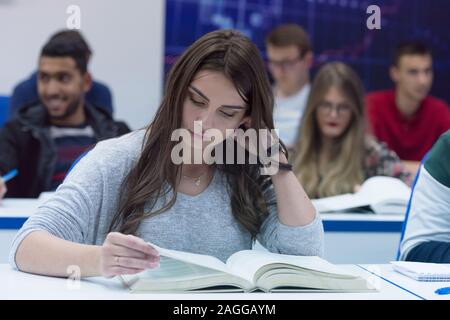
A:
<point x="42" y="253"/>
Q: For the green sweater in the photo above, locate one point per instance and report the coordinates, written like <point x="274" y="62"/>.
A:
<point x="438" y="162"/>
<point x="429" y="217"/>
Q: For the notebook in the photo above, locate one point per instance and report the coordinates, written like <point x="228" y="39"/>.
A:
<point x="420" y="271"/>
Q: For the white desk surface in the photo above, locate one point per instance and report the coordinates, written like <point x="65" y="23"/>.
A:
<point x="422" y="289"/>
<point x="19" y="208"/>
<point x="362" y="217"/>
<point x="19" y="285"/>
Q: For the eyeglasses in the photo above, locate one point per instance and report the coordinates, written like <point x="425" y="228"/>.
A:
<point x="283" y="64"/>
<point x="326" y="107"/>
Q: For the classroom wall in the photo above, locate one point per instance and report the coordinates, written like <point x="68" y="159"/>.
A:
<point x="337" y="29"/>
<point x="127" y="45"/>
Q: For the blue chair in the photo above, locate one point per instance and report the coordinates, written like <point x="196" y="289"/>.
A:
<point x="4" y="107"/>
<point x="81" y="156"/>
<point x="408" y="209"/>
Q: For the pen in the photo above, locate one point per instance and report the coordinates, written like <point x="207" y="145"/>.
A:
<point x="10" y="175"/>
<point x="445" y="290"/>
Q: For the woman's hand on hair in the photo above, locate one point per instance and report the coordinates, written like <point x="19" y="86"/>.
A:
<point x="126" y="254"/>
<point x="270" y="140"/>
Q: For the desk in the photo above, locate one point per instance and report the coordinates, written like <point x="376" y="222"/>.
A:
<point x="361" y="238"/>
<point x="424" y="290"/>
<point x="19" y="285"/>
<point x="349" y="238"/>
<point x="13" y="214"/>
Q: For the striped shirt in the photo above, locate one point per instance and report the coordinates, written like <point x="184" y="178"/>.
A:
<point x="70" y="143"/>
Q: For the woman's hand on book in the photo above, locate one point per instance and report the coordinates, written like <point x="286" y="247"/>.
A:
<point x="126" y="254"/>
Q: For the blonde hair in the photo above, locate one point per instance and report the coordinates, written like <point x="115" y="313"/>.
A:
<point x="346" y="168"/>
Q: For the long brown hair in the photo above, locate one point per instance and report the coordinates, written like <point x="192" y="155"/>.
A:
<point x="238" y="59"/>
<point x="347" y="166"/>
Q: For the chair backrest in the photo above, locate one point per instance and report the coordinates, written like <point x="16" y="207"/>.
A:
<point x="4" y="107"/>
<point x="81" y="156"/>
<point x="408" y="209"/>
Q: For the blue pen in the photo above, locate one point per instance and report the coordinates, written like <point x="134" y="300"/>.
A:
<point x="443" y="291"/>
<point x="10" y="175"/>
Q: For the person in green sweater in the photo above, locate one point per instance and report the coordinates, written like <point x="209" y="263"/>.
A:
<point x="427" y="233"/>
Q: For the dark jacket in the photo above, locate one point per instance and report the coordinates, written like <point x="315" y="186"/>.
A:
<point x="26" y="145"/>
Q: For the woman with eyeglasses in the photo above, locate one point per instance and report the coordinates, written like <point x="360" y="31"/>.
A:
<point x="333" y="153"/>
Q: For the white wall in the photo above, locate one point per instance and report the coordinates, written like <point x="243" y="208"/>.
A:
<point x="127" y="39"/>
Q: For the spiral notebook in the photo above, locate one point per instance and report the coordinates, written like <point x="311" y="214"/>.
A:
<point x="420" y="271"/>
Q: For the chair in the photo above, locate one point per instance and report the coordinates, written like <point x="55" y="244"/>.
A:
<point x="4" y="107"/>
<point x="81" y="156"/>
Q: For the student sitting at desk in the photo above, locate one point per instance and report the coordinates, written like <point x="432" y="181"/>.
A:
<point x="427" y="233"/>
<point x="333" y="153"/>
<point x="290" y="58"/>
<point x="44" y="139"/>
<point x="407" y="118"/>
<point x="130" y="190"/>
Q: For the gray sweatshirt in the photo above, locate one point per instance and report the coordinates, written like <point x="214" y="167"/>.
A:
<point x="83" y="206"/>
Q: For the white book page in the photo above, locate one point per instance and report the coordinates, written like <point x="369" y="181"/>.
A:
<point x="373" y="192"/>
<point x="246" y="263"/>
<point x="197" y="259"/>
<point x="380" y="190"/>
<point x="171" y="270"/>
<point x="340" y="202"/>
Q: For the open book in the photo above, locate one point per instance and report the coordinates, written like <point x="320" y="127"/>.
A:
<point x="382" y="195"/>
<point x="244" y="271"/>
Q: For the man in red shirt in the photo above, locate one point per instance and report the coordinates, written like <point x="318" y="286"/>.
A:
<point x="406" y="118"/>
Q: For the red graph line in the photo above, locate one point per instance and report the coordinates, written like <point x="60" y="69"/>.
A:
<point x="357" y="49"/>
